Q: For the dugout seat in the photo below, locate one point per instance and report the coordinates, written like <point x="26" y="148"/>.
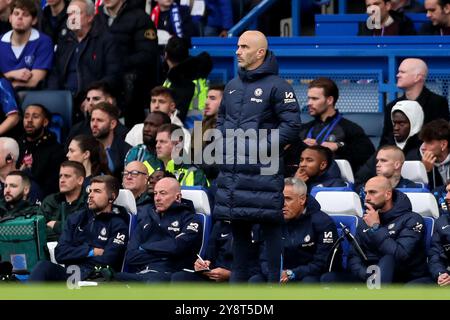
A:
<point x="340" y="202"/>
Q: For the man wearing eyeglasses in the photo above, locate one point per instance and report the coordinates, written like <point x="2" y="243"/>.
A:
<point x="135" y="178"/>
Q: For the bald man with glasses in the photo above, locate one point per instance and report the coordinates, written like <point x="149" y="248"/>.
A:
<point x="135" y="178"/>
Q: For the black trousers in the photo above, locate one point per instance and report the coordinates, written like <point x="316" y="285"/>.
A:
<point x="242" y="246"/>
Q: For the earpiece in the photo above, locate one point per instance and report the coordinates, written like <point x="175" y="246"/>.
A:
<point x="9" y="158"/>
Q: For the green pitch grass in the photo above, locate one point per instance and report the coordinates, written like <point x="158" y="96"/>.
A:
<point x="110" y="291"/>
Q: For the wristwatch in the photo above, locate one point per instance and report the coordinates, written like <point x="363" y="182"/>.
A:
<point x="290" y="274"/>
<point x="375" y="227"/>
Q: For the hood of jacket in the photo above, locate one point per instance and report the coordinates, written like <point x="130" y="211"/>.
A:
<point x="414" y="112"/>
<point x="401" y="206"/>
<point x="268" y="67"/>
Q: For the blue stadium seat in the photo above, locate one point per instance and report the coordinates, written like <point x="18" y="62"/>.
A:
<point x="200" y="199"/>
<point x="126" y="199"/>
<point x="207" y="226"/>
<point x="59" y="103"/>
<point x="429" y="228"/>
<point x="352" y="223"/>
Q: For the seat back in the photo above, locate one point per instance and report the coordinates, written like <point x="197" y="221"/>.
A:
<point x="318" y="189"/>
<point x="415" y="171"/>
<point x="206" y="219"/>
<point x="199" y="197"/>
<point x="340" y="202"/>
<point x="59" y="103"/>
<point x="346" y="170"/>
<point x="429" y="228"/>
<point x="351" y="222"/>
<point x="126" y="199"/>
<point x="424" y="203"/>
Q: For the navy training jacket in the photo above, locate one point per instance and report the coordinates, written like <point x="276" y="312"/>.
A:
<point x="256" y="99"/>
<point x="167" y="242"/>
<point x="85" y="230"/>
<point x="401" y="234"/>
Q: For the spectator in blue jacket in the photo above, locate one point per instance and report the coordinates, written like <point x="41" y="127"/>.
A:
<point x="9" y="112"/>
<point x="308" y="237"/>
<point x="390" y="235"/>
<point x="92" y="238"/>
<point x="251" y="193"/>
<point x="317" y="168"/>
<point x="219" y="18"/>
<point x="166" y="238"/>
<point x="26" y="53"/>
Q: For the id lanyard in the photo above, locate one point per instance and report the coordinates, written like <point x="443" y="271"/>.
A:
<point x="327" y="128"/>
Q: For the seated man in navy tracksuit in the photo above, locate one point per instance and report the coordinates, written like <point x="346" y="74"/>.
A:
<point x="308" y="237"/>
<point x="218" y="259"/>
<point x="167" y="236"/>
<point x="92" y="238"/>
<point x="390" y="235"/>
<point x="317" y="168"/>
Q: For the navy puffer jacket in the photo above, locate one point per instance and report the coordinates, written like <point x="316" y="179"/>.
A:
<point x="256" y="99"/>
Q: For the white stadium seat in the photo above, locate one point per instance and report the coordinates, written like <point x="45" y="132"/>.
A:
<point x="346" y="170"/>
<point x="415" y="171"/>
<point x="340" y="202"/>
<point x="424" y="203"/>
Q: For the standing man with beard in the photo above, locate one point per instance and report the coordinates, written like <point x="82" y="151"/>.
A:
<point x="258" y="99"/>
<point x="104" y="119"/>
<point x="146" y="152"/>
<point x="94" y="237"/>
<point x="40" y="152"/>
<point x="15" y="192"/>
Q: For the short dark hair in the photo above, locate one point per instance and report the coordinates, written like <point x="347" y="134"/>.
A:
<point x="25" y="5"/>
<point x="438" y="129"/>
<point x="217" y="86"/>
<point x="47" y="114"/>
<point x="25" y="178"/>
<point x="111" y="183"/>
<point x="168" y="127"/>
<point x="160" y="90"/>
<point x="76" y="166"/>
<point x="177" y="49"/>
<point x="443" y="3"/>
<point x="326" y="153"/>
<point x="164" y="116"/>
<point x="101" y="86"/>
<point x="329" y="87"/>
<point x="108" y="108"/>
